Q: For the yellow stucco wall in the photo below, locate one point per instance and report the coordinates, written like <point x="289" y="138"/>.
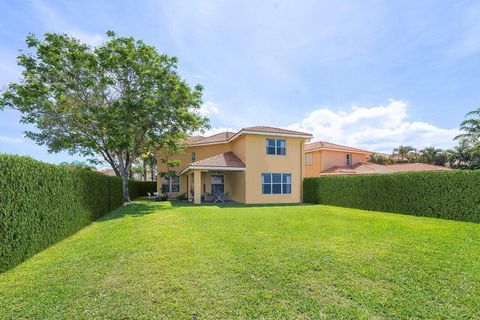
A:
<point x="246" y="186"/>
<point x="325" y="159"/>
<point x="258" y="162"/>
<point x="315" y="168"/>
<point x="236" y="193"/>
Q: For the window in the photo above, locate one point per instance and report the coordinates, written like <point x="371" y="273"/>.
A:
<point x="348" y="159"/>
<point x="218" y="183"/>
<point x="308" y="159"/>
<point x="170" y="183"/>
<point x="276" y="183"/>
<point x="193" y="156"/>
<point x="276" y="147"/>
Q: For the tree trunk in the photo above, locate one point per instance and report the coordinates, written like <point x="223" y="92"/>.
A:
<point x="144" y="169"/>
<point x="124" y="168"/>
<point x="126" y="197"/>
<point x="152" y="172"/>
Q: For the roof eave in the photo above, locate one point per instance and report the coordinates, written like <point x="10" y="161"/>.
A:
<point x="333" y="149"/>
<point x="305" y="136"/>
<point x="217" y="168"/>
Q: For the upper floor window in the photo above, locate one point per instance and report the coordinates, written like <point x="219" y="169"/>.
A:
<point x="308" y="159"/>
<point x="193" y="156"/>
<point x="348" y="159"/>
<point x="276" y="146"/>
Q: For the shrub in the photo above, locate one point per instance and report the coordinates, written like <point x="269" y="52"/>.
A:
<point x="442" y="194"/>
<point x="42" y="203"/>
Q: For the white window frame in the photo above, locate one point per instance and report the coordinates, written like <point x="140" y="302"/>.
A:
<point x="170" y="183"/>
<point x="282" y="184"/>
<point x="276" y="147"/>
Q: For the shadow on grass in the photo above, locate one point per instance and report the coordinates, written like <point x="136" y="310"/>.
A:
<point x="136" y="209"/>
<point x="230" y="204"/>
<point x="142" y="207"/>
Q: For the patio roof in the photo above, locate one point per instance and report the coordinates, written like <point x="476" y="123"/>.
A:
<point x="227" y="161"/>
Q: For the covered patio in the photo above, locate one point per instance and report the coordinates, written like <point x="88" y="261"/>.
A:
<point x="216" y="179"/>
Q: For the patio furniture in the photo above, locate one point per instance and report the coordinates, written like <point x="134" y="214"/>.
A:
<point x="209" y="197"/>
<point x="220" y="197"/>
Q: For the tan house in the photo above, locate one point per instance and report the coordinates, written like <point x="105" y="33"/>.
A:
<point x="254" y="165"/>
<point x="321" y="156"/>
<point x="325" y="158"/>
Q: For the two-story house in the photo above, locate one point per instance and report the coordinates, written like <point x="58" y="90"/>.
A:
<point x="254" y="165"/>
<point x="321" y="156"/>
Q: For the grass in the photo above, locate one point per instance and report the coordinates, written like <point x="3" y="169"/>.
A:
<point x="158" y="260"/>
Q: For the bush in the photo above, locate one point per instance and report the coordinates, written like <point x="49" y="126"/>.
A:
<point x="42" y="203"/>
<point x="442" y="194"/>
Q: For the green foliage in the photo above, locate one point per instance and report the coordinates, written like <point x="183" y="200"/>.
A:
<point x="43" y="203"/>
<point x="441" y="194"/>
<point x="466" y="155"/>
<point x="403" y="151"/>
<point x="111" y="101"/>
<point x="171" y="260"/>
<point x="379" y="159"/>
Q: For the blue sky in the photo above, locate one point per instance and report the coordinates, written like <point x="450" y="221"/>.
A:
<point x="372" y="74"/>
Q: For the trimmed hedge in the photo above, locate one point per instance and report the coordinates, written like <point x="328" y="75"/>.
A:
<point x="140" y="188"/>
<point x="42" y="203"/>
<point x="441" y="194"/>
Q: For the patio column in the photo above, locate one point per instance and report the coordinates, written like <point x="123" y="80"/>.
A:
<point x="197" y="186"/>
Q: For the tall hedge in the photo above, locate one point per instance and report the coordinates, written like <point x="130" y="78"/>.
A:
<point x="42" y="203"/>
<point x="442" y="194"/>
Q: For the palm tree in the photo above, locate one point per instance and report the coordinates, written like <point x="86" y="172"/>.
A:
<point x="470" y="128"/>
<point x="468" y="155"/>
<point x="430" y="155"/>
<point x="403" y="151"/>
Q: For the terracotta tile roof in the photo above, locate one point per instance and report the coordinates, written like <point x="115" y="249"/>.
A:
<point x="223" y="160"/>
<point x="193" y="139"/>
<point x="226" y="136"/>
<point x="365" y="167"/>
<point x="275" y="130"/>
<point x="327" y="145"/>
<point x="216" y="138"/>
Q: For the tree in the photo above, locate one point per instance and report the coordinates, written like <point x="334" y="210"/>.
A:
<point x="432" y="155"/>
<point x="403" y="151"/>
<point x="166" y="152"/>
<point x="79" y="164"/>
<point x="466" y="154"/>
<point x="470" y="128"/>
<point x="105" y="101"/>
<point x="379" y="159"/>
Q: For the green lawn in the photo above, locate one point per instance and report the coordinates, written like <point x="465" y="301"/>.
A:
<point x="157" y="260"/>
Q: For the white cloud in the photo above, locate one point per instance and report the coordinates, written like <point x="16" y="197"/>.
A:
<point x="209" y="108"/>
<point x="10" y="139"/>
<point x="93" y="39"/>
<point x="378" y="128"/>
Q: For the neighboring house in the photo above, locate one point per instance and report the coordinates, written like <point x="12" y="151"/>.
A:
<point x="324" y="158"/>
<point x="107" y="172"/>
<point x="254" y="165"/>
<point x="364" y="168"/>
<point x="321" y="156"/>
